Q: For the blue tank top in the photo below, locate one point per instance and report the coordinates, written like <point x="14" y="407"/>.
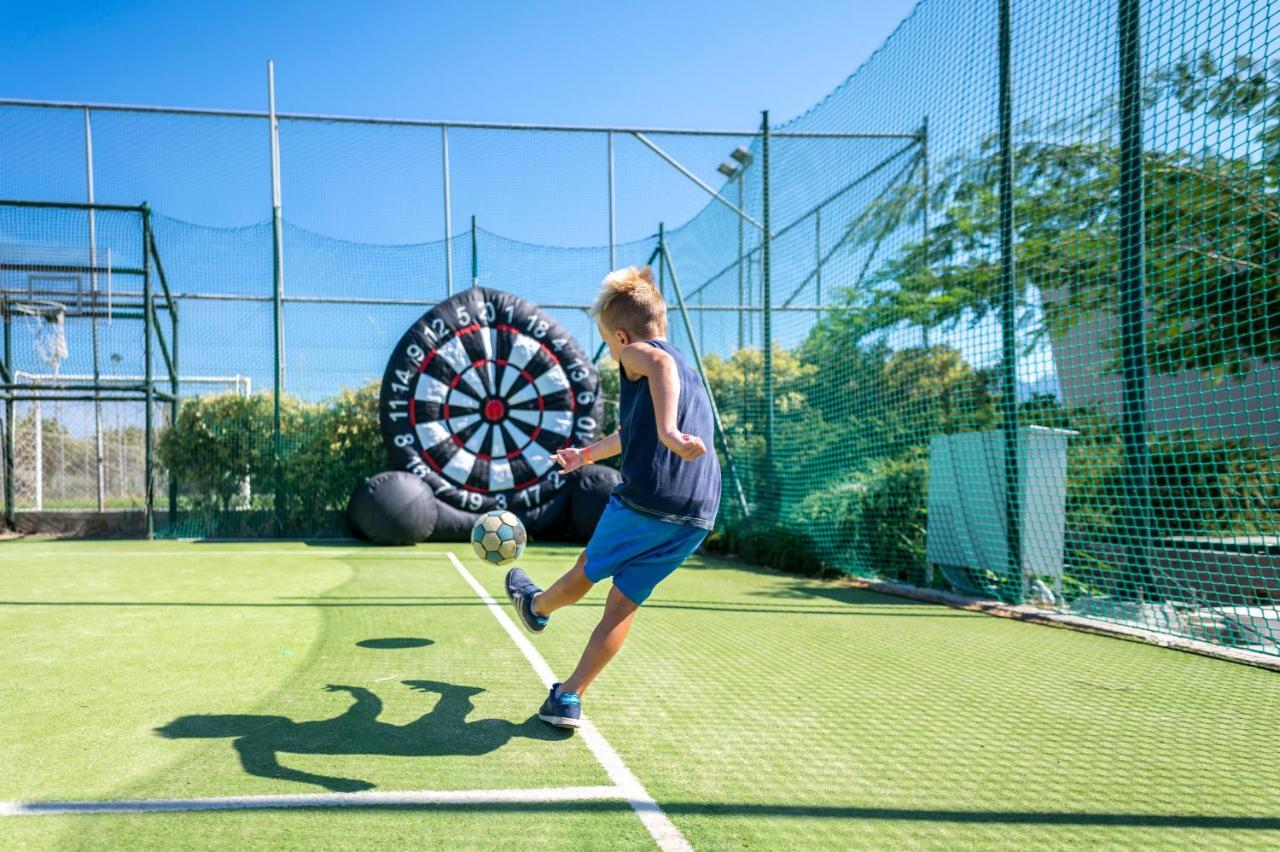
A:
<point x="655" y="480"/>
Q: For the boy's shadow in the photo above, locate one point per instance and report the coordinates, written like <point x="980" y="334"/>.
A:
<point x="443" y="731"/>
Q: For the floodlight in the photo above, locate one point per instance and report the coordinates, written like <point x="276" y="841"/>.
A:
<point x="742" y="155"/>
<point x="727" y="169"/>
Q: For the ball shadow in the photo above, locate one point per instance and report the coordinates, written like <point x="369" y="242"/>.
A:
<point x="393" y="642"/>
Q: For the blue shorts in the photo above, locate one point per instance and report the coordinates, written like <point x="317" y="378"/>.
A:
<point x="639" y="552"/>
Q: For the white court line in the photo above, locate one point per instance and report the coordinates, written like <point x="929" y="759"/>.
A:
<point x="664" y="832"/>
<point x="363" y="799"/>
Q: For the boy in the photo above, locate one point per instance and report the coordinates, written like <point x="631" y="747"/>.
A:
<point x="667" y="500"/>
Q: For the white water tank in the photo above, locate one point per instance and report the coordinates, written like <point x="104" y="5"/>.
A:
<point x="967" y="499"/>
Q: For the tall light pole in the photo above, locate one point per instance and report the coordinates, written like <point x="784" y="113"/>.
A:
<point x="733" y="169"/>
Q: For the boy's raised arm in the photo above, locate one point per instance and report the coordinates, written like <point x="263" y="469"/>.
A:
<point x="572" y="458"/>
<point x="641" y="359"/>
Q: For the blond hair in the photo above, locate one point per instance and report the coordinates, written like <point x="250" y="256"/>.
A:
<point x="628" y="301"/>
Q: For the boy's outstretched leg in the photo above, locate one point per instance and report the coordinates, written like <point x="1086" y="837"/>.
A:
<point x="534" y="606"/>
<point x="563" y="706"/>
<point x="569" y="589"/>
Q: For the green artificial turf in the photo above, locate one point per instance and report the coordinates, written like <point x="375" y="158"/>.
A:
<point x="760" y="710"/>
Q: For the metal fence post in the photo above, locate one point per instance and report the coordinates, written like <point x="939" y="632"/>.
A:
<point x="99" y="461"/>
<point x="37" y="462"/>
<point x="613" y="225"/>
<point x="1133" y="353"/>
<point x="148" y="376"/>
<point x="1008" y="313"/>
<point x="766" y="285"/>
<point x="475" y="254"/>
<point x="448" y="212"/>
<point x="924" y="204"/>
<point x="9" y="426"/>
<point x="277" y="301"/>
<point x="817" y="256"/>
<point x="662" y="267"/>
<point x="174" y="404"/>
<point x="742" y="243"/>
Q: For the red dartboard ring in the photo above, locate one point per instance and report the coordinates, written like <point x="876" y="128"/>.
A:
<point x="479" y="394"/>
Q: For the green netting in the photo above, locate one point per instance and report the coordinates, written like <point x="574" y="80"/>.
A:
<point x="869" y="359"/>
<point x="77" y="437"/>
<point x="890" y="452"/>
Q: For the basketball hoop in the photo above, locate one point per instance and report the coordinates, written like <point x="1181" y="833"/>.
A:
<point x="47" y="322"/>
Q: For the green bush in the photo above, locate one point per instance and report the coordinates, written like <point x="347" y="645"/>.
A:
<point x="873" y="522"/>
<point x="1211" y="486"/>
<point x="330" y="448"/>
<point x="765" y="543"/>
<point x="890" y="528"/>
<point x="830" y="517"/>
<point x="219" y="447"/>
<point x="222" y="448"/>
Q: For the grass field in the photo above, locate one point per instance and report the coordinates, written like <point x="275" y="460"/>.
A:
<point x="758" y="710"/>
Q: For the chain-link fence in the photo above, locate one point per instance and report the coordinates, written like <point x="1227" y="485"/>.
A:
<point x="998" y="314"/>
<point x="1043" y="362"/>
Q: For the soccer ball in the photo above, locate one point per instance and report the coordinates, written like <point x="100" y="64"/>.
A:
<point x="499" y="537"/>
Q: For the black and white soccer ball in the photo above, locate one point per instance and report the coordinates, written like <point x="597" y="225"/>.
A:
<point x="499" y="537"/>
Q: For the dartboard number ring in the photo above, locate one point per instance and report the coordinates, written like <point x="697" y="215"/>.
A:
<point x="480" y="393"/>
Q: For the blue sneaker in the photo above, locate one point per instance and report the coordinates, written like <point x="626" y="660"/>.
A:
<point x="564" y="709"/>
<point x="520" y="590"/>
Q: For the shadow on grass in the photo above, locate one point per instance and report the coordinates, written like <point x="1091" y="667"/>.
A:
<point x="395" y="642"/>
<point x="259" y="740"/>
<point x="869" y="609"/>
<point x="810" y="591"/>
<point x="797" y="586"/>
<point x="348" y="543"/>
<point x="763" y="810"/>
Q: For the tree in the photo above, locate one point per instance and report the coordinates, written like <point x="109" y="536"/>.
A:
<point x="219" y="443"/>
<point x="332" y="446"/>
<point x="738" y="387"/>
<point x="1212" y="232"/>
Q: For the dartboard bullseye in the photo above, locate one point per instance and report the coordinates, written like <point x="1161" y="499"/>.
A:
<point x="478" y="396"/>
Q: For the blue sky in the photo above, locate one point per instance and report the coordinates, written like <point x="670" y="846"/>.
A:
<point x="663" y="63"/>
<point x="704" y="63"/>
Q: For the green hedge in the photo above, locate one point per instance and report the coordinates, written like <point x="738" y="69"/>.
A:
<point x="224" y="442"/>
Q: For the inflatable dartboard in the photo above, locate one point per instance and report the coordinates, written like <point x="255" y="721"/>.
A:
<point x="480" y="393"/>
